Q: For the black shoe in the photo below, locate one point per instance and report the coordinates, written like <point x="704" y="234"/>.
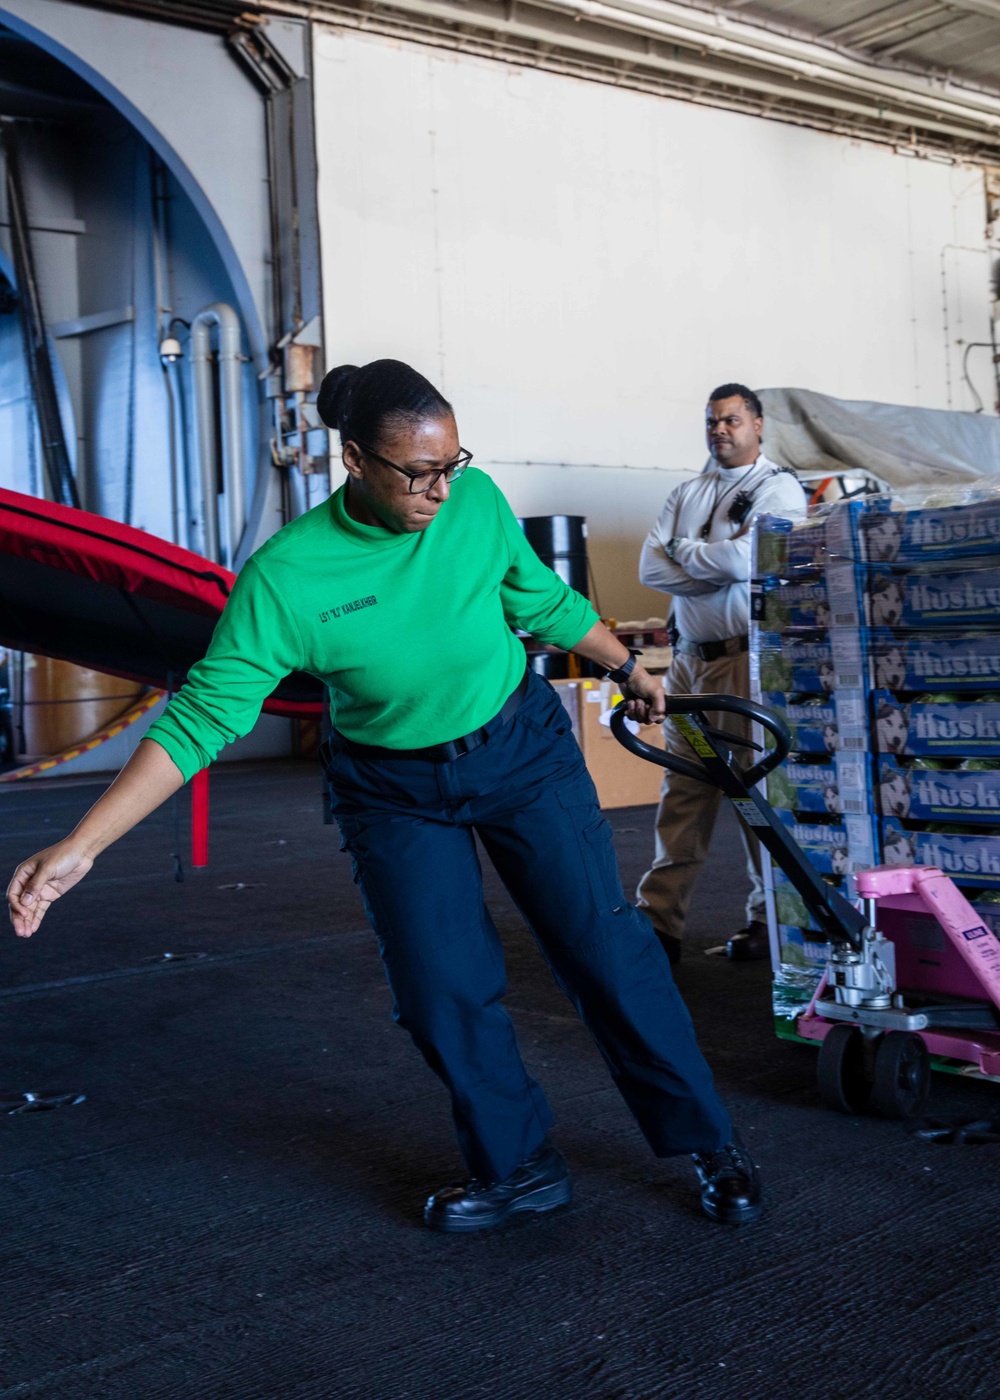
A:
<point x="540" y="1183"/>
<point x="730" y="1186"/>
<point x="672" y="946"/>
<point x="751" y="944"/>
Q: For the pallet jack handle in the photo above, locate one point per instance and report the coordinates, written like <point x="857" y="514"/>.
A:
<point x="714" y="763"/>
<point x="696" y="705"/>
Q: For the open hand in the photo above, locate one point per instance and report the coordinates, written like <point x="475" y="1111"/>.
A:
<point x="39" y="881"/>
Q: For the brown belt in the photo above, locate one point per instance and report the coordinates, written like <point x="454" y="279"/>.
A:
<point x="711" y="651"/>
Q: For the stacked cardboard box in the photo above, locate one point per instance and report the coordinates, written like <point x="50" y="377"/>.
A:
<point x="876" y="635"/>
<point x="621" y="779"/>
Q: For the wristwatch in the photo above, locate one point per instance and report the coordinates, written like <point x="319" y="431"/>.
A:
<point x="621" y="674"/>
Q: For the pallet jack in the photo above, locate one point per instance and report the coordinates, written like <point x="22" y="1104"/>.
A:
<point x="912" y="973"/>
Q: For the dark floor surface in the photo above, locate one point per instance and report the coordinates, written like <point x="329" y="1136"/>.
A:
<point x="234" y="1212"/>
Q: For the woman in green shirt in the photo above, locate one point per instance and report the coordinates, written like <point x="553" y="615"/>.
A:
<point x="400" y="593"/>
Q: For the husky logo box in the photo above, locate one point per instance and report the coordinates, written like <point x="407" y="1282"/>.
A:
<point x="921" y="599"/>
<point x="968" y="857"/>
<point x="947" y="726"/>
<point x="834" y="848"/>
<point x="930" y="533"/>
<point x="940" y="660"/>
<point x="938" y="794"/>
<point x="789" y="662"/>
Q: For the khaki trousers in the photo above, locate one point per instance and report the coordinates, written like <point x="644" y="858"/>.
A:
<point x="688" y="809"/>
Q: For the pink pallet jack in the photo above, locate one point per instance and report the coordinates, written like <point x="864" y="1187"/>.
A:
<point x="913" y="973"/>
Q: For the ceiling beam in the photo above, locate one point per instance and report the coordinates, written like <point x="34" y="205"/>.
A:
<point x="698" y="55"/>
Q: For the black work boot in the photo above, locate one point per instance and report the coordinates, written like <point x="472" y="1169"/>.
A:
<point x="751" y="944"/>
<point x="540" y="1183"/>
<point x="730" y="1186"/>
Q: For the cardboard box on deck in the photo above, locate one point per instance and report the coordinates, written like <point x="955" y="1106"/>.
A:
<point x="621" y="779"/>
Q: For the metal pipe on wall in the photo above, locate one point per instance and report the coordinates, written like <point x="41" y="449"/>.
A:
<point x="37" y="350"/>
<point x="227" y="323"/>
<point x="193" y="533"/>
<point x="866" y="90"/>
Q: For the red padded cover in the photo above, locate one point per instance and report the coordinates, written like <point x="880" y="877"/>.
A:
<point x="75" y="543"/>
<point x="108" y="552"/>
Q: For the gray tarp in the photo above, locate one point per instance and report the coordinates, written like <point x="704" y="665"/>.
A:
<point x="898" y="445"/>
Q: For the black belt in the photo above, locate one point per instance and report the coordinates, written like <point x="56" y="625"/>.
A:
<point x="433" y="753"/>
<point x="711" y="651"/>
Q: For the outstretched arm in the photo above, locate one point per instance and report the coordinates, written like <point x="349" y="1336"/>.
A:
<point x="147" y="780"/>
<point x="254" y="645"/>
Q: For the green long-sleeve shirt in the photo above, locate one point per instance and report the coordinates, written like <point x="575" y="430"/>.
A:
<point x="410" y="632"/>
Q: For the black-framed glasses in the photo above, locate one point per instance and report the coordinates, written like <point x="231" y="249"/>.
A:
<point x="419" y="482"/>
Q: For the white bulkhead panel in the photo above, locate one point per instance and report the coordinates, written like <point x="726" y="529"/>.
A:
<point x="576" y="265"/>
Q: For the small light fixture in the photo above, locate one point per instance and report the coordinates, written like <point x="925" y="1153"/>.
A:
<point x="170" y="350"/>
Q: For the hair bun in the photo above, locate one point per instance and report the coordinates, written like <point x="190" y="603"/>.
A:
<point x="335" y="392"/>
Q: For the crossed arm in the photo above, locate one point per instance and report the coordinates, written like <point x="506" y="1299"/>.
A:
<point x="692" y="568"/>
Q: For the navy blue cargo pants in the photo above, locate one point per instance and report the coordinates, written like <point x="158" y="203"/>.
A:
<point x="409" y="824"/>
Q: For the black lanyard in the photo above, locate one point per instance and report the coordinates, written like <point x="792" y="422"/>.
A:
<point x="744" y="500"/>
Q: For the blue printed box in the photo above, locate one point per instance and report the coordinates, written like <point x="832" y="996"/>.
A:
<point x="777" y="605"/>
<point x="834" y="848"/>
<point x="926" y="534"/>
<point x="936" y="795"/>
<point x="790" y="907"/>
<point x="797" y="949"/>
<point x="872" y="531"/>
<point x="801" y="945"/>
<point x="790" y="662"/>
<point x="947" y="727"/>
<point x="846" y="596"/>
<point x="840" y="784"/>
<point x="880" y="658"/>
<point x="900" y="660"/>
<point x="920" y="600"/>
<point x="970" y="858"/>
<point x="783" y="548"/>
<point x="822" y="723"/>
<point x="811" y="720"/>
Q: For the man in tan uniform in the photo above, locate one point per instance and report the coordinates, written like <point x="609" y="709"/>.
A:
<point x="699" y="553"/>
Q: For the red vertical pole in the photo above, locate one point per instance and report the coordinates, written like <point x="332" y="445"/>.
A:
<point x="199" y="818"/>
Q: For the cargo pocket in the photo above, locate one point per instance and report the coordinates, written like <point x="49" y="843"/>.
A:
<point x="557" y="724"/>
<point x="593" y="834"/>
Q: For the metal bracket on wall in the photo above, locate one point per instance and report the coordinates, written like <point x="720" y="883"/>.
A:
<point x="96" y="321"/>
<point x="269" y="69"/>
<point x="300" y="438"/>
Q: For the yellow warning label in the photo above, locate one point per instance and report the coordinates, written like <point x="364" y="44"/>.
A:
<point x="694" y="736"/>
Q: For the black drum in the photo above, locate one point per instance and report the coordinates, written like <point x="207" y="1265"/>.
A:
<point x="561" y="542"/>
<point x="553" y="665"/>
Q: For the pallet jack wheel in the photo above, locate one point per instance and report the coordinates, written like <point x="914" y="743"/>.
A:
<point x="841" y="1074"/>
<point x="902" y="1075"/>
